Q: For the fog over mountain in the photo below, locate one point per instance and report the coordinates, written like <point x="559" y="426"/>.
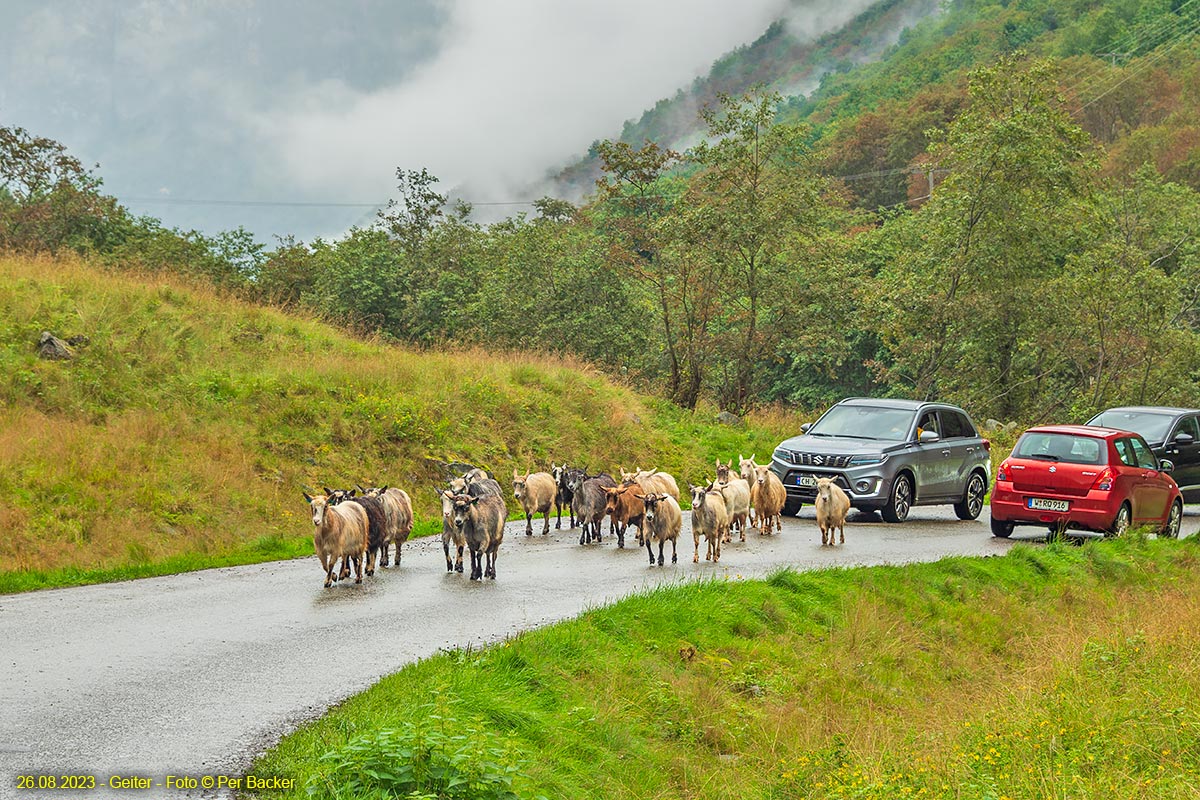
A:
<point x="258" y="104"/>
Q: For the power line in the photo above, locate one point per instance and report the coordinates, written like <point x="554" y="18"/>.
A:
<point x="191" y="201"/>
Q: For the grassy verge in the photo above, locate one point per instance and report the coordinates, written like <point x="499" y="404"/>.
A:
<point x="1048" y="673"/>
<point x="180" y="435"/>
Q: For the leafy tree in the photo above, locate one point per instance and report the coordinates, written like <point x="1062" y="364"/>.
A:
<point x="635" y="196"/>
<point x="48" y="200"/>
<point x="958" y="312"/>
<point x="755" y="201"/>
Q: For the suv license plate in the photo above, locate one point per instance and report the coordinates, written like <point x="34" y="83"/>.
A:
<point x="1042" y="504"/>
<point x="806" y="480"/>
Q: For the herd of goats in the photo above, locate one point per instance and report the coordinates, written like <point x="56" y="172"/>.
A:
<point x="357" y="525"/>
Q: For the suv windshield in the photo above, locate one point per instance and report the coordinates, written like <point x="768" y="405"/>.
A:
<point x="865" y="422"/>
<point x="1152" y="426"/>
<point x="1060" y="447"/>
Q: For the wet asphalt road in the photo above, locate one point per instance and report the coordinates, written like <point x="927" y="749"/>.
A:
<point x="195" y="674"/>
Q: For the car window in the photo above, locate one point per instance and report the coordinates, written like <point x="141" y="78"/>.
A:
<point x="1151" y="425"/>
<point x="1125" y="451"/>
<point x="1188" y="425"/>
<point x="955" y="425"/>
<point x="1060" y="447"/>
<point x="865" y="422"/>
<point x="1145" y="458"/>
<point x="929" y="422"/>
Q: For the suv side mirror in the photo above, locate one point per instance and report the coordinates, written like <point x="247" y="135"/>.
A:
<point x="928" y="437"/>
<point x="1183" y="437"/>
<point x="1165" y="464"/>
<point x="804" y="428"/>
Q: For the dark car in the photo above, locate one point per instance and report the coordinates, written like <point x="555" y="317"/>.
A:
<point x="1084" y="479"/>
<point x="1172" y="433"/>
<point x="888" y="456"/>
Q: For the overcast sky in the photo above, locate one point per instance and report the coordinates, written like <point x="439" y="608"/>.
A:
<point x="305" y="101"/>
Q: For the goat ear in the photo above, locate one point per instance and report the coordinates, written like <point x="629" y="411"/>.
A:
<point x="352" y="493"/>
<point x="474" y="500"/>
<point x="384" y="489"/>
<point x="328" y="491"/>
<point x="307" y="496"/>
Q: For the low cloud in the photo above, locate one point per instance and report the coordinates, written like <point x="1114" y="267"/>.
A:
<point x="516" y="88"/>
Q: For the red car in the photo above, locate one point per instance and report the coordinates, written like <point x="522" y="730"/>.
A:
<point x="1082" y="478"/>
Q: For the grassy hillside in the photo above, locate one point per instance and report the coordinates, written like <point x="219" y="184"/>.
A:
<point x="181" y="434"/>
<point x="1047" y="673"/>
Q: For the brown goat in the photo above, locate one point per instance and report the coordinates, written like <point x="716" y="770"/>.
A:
<point x="397" y="508"/>
<point x="338" y="532"/>
<point x="625" y="507"/>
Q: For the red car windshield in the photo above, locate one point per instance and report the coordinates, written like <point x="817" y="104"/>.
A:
<point x="1061" y="447"/>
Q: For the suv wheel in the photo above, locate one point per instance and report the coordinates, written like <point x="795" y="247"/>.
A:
<point x="1001" y="528"/>
<point x="900" y="500"/>
<point x="972" y="501"/>
<point x="791" y="506"/>
<point x="1171" y="529"/>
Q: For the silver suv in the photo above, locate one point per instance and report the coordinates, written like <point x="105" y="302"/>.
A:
<point x="888" y="455"/>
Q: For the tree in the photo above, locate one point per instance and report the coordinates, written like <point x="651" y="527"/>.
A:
<point x="958" y="312"/>
<point x="754" y="204"/>
<point x="49" y="200"/>
<point x="634" y="197"/>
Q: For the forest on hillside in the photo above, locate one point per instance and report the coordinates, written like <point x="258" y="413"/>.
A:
<point x="1002" y="212"/>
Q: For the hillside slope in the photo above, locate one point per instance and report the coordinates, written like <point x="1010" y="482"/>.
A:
<point x="784" y="59"/>
<point x="187" y="424"/>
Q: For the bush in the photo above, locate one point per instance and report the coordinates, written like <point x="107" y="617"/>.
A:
<point x="434" y="758"/>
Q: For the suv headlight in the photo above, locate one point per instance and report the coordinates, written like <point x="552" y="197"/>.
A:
<point x="866" y="461"/>
<point x="782" y="455"/>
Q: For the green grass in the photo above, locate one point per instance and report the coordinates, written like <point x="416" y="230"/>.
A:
<point x="1055" y="672"/>
<point x="183" y="432"/>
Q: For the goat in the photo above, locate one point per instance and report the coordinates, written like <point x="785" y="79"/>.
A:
<point x="737" y="498"/>
<point x="710" y="518"/>
<point x="481" y="520"/>
<point x="652" y="481"/>
<point x="338" y="532"/>
<point x="663" y="522"/>
<point x="746" y="467"/>
<point x="626" y="508"/>
<point x="832" y="507"/>
<point x="536" y="492"/>
<point x="768" y="496"/>
<point x="590" y="502"/>
<point x="335" y="497"/>
<point x="451" y="534"/>
<point x="376" y="527"/>
<point x="397" y="508"/>
<point x="563" y="499"/>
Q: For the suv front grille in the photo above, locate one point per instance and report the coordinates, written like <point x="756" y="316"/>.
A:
<point x="817" y="459"/>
